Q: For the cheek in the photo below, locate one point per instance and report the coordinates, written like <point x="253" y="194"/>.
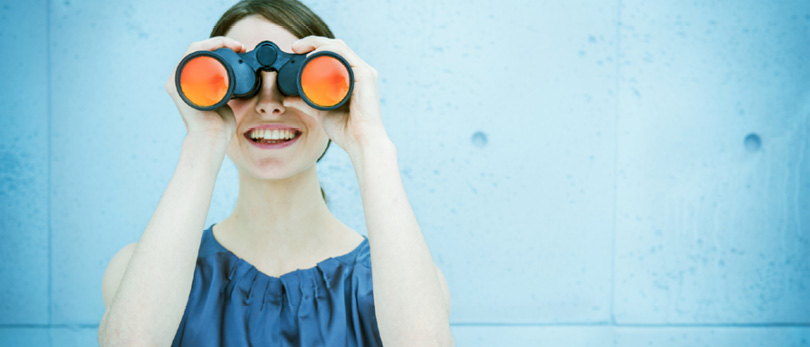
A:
<point x="317" y="136"/>
<point x="235" y="149"/>
<point x="314" y="128"/>
<point x="238" y="107"/>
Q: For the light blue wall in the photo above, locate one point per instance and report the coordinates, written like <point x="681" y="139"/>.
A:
<point x="580" y="169"/>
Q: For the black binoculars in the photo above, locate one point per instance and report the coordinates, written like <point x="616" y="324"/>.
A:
<point x="206" y="80"/>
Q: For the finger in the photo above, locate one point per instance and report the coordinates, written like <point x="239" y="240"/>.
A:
<point x="218" y="42"/>
<point x="298" y="103"/>
<point x="309" y="43"/>
<point x="223" y="41"/>
<point x="210" y="44"/>
<point x="343" y="51"/>
<point x="225" y="112"/>
<point x="359" y="67"/>
<point x="313" y="44"/>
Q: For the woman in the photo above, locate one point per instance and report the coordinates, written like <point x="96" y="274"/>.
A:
<point x="281" y="269"/>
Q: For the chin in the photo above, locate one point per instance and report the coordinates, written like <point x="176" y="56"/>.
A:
<point x="273" y="169"/>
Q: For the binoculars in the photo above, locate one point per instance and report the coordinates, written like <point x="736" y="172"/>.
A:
<point x="206" y="80"/>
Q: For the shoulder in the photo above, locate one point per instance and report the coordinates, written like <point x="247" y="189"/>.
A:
<point x="114" y="273"/>
<point x="362" y="252"/>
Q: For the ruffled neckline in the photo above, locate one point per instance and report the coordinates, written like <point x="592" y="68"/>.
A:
<point x="346" y="259"/>
<point x="245" y="281"/>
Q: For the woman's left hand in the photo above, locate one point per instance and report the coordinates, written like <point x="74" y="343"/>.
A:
<point x="358" y="126"/>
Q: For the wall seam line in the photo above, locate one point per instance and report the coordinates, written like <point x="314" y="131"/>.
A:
<point x="635" y="325"/>
<point x="50" y="176"/>
<point x="615" y="165"/>
<point x="500" y="325"/>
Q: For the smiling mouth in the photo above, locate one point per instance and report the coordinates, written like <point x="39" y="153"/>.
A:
<point x="269" y="138"/>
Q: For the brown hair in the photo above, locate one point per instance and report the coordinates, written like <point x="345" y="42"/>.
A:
<point x="291" y="15"/>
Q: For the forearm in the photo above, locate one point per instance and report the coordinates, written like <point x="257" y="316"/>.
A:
<point x="407" y="293"/>
<point x="151" y="298"/>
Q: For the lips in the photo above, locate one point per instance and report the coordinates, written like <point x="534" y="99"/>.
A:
<point x="276" y="145"/>
<point x="272" y="127"/>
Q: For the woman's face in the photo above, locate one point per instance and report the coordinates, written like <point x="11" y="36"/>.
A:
<point x="266" y="108"/>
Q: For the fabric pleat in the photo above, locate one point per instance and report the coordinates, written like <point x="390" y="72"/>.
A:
<point x="231" y="303"/>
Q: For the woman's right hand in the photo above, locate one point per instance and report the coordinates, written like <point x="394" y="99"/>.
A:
<point x="217" y="124"/>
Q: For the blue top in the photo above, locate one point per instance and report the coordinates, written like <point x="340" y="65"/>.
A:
<point x="233" y="304"/>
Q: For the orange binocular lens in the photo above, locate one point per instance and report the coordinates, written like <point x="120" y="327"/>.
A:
<point x="204" y="81"/>
<point x="325" y="81"/>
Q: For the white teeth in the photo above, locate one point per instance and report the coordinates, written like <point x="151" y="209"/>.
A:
<point x="276" y="134"/>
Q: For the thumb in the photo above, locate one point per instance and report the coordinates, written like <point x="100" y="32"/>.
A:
<point x="298" y="103"/>
<point x="294" y="102"/>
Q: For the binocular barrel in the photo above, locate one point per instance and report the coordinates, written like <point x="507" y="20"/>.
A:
<point x="206" y="80"/>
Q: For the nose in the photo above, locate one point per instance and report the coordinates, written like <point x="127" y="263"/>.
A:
<point x="269" y="98"/>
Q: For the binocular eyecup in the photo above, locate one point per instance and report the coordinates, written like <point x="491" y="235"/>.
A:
<point x="206" y="80"/>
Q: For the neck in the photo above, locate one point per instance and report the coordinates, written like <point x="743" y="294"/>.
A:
<point x="289" y="211"/>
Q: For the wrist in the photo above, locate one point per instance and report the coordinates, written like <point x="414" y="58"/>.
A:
<point x="380" y="147"/>
<point x="207" y="151"/>
<point x="211" y="142"/>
